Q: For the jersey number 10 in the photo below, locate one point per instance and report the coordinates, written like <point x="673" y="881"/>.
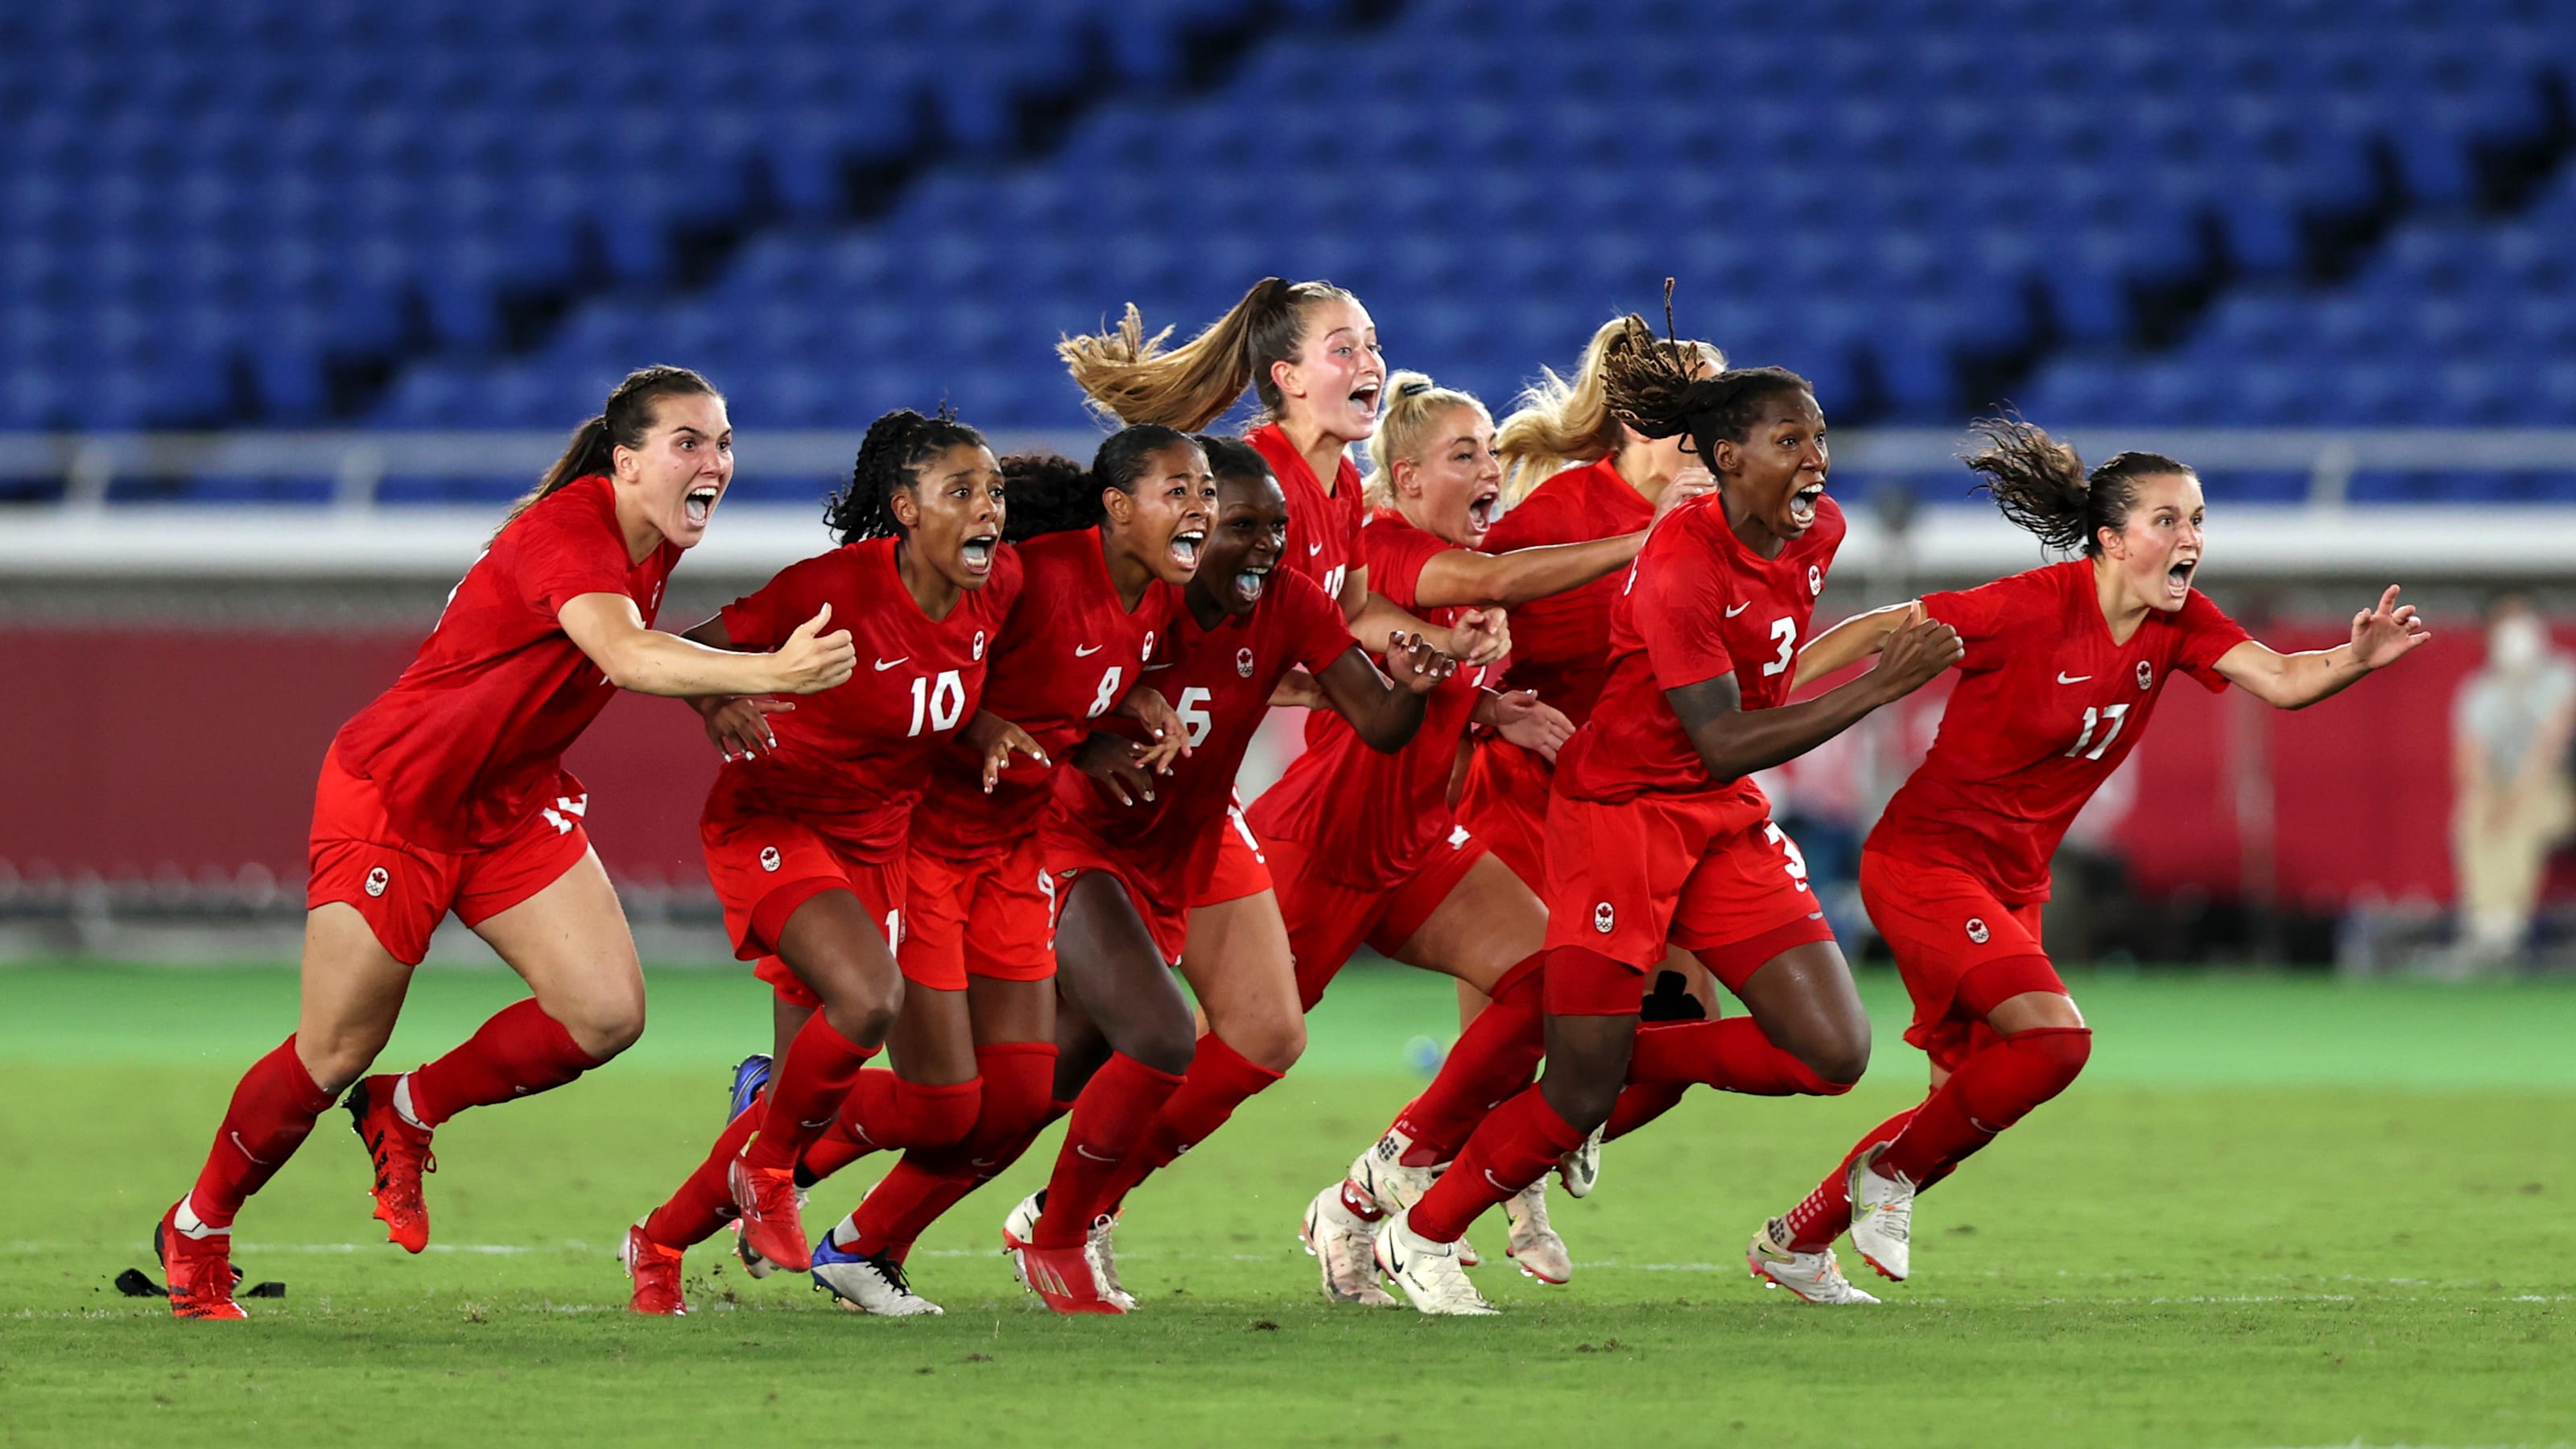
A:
<point x="939" y="706"/>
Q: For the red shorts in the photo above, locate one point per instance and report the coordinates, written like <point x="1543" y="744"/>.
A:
<point x="402" y="889"/>
<point x="765" y="866"/>
<point x="1626" y="880"/>
<point x="1505" y="802"/>
<point x="1163" y="901"/>
<point x="1008" y="896"/>
<point x="1943" y="925"/>
<point x="1328" y="920"/>
<point x="1238" y="868"/>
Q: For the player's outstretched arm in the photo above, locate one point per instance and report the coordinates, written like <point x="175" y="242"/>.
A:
<point x="1385" y="712"/>
<point x="607" y="628"/>
<point x="1371" y="615"/>
<point x="1852" y="640"/>
<point x="2380" y="637"/>
<point x="1464" y="576"/>
<point x="1734" y="741"/>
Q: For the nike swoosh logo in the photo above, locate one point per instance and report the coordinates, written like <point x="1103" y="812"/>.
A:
<point x="1740" y="608"/>
<point x="1314" y="548"/>
<point x="885" y="664"/>
<point x="1090" y="1155"/>
<point x="1081" y="653"/>
<point x="246" y="1152"/>
<point x="2065" y="678"/>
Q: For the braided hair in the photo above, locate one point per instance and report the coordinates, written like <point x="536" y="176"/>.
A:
<point x="889" y="458"/>
<point x="2041" y="485"/>
<point x="1050" y="493"/>
<point x="621" y="422"/>
<point x="1654" y="387"/>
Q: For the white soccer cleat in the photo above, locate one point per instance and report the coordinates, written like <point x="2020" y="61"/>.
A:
<point x="1814" y="1277"/>
<point x="1340" y="1241"/>
<point x="1098" y="1245"/>
<point x="752" y="1262"/>
<point x="1580" y="1170"/>
<point x="1428" y="1272"/>
<point x="1020" y="1225"/>
<point x="1381" y="1177"/>
<point x="1535" y="1247"/>
<point x="1882" y="1216"/>
<point x="867" y="1285"/>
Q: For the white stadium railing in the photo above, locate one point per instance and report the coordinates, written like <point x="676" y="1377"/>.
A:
<point x="84" y="535"/>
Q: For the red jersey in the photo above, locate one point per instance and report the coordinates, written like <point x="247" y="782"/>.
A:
<point x="1370" y="819"/>
<point x="471" y="738"/>
<point x="2046" y="708"/>
<point x="1070" y="654"/>
<point x="1695" y="605"/>
<point x="850" y="761"/>
<point x="1323" y="528"/>
<point x="1220" y="681"/>
<point x="1561" y="644"/>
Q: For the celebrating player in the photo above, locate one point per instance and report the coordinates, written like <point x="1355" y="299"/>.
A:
<point x="1655" y="833"/>
<point x="2063" y="666"/>
<point x="448" y="793"/>
<point x="805" y="833"/>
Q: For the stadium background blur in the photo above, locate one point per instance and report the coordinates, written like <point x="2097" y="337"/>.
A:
<point x="295" y="294"/>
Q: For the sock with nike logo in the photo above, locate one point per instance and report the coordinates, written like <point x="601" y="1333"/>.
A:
<point x="1995" y="1087"/>
<point x="1494" y="1058"/>
<point x="1016" y="1105"/>
<point x="1516" y="1145"/>
<point x="1219" y="1080"/>
<point x="520" y="1052"/>
<point x="886" y="1113"/>
<point x="271" y="1113"/>
<point x="1108" y="1118"/>
<point x="807" y="1092"/>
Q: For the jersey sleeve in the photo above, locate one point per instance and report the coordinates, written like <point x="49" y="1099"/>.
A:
<point x="2207" y="635"/>
<point x="1312" y="622"/>
<point x="1680" y="594"/>
<point x="765" y="617"/>
<point x="1979" y="614"/>
<point x="1534" y="522"/>
<point x="556" y="564"/>
<point x="1395" y="555"/>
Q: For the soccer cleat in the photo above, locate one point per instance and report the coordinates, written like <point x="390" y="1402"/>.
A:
<point x="1580" y="1170"/>
<point x="752" y="1262"/>
<point x="1065" y="1279"/>
<point x="656" y="1271"/>
<point x="1882" y="1216"/>
<point x="1020" y="1225"/>
<point x="1428" y="1272"/>
<point x="773" y="1219"/>
<point x="401" y="1155"/>
<point x="867" y="1285"/>
<point x="1814" y="1277"/>
<point x="1535" y="1247"/>
<point x="199" y="1270"/>
<point x="1380" y="1176"/>
<point x="1339" y="1240"/>
<point x="1101" y="1245"/>
<point x="750" y="1079"/>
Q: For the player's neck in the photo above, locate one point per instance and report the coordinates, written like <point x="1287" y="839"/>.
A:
<point x="1752" y="532"/>
<point x="1636" y="469"/>
<point x="1129" y="575"/>
<point x="1205" y="611"/>
<point x="639" y="533"/>
<point x="1413" y="511"/>
<point x="2121" y="613"/>
<point x="1321" y="450"/>
<point x="931" y="590"/>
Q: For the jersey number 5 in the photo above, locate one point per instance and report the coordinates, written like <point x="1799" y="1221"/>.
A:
<point x="939" y="706"/>
<point x="2113" y="715"/>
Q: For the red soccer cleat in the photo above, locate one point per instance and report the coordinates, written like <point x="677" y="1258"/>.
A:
<point x="656" y="1271"/>
<point x="401" y="1154"/>
<point x="772" y="1226"/>
<point x="1063" y="1278"/>
<point x="199" y="1270"/>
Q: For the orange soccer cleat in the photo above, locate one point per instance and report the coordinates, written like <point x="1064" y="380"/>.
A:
<point x="773" y="1224"/>
<point x="199" y="1270"/>
<point x="401" y="1154"/>
<point x="1065" y="1279"/>
<point x="656" y="1271"/>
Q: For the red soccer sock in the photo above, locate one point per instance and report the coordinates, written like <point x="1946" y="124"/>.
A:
<point x="1219" y="1080"/>
<point x="1640" y="1103"/>
<point x="1995" y="1087"/>
<point x="1016" y="1105"/>
<point x="1494" y="1058"/>
<point x="1732" y="1055"/>
<point x="1109" y="1118"/>
<point x="705" y="1200"/>
<point x="1519" y="1141"/>
<point x="272" y="1111"/>
<point x="886" y="1113"/>
<point x="1825" y="1214"/>
<point x="806" y="1092"/>
<point x="520" y="1052"/>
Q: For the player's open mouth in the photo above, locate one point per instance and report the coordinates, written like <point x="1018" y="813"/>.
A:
<point x="699" y="504"/>
<point x="979" y="553"/>
<point x="1802" y="504"/>
<point x="1364" y="398"/>
<point x="1480" y="511"/>
<point x="1185" y="547"/>
<point x="2178" y="578"/>
<point x="1249" y="584"/>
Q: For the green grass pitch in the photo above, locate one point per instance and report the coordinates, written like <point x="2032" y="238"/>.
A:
<point x="2272" y="1212"/>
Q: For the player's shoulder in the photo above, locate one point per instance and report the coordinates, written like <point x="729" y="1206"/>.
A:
<point x="582" y="512"/>
<point x="1064" y="559"/>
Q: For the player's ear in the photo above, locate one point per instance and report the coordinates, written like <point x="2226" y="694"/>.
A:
<point x="906" y="509"/>
<point x="1118" y="503"/>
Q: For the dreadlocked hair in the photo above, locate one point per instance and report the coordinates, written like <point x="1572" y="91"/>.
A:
<point x="1562" y="422"/>
<point x="622" y="422"/>
<point x="1049" y="493"/>
<point x="1130" y="378"/>
<point x="889" y="458"/>
<point x="2041" y="485"/>
<point x="1654" y="387"/>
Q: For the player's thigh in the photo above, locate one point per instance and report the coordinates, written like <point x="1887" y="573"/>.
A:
<point x="933" y="1041"/>
<point x="836" y="944"/>
<point x="352" y="992"/>
<point x="570" y="943"/>
<point x="1488" y="923"/>
<point x="1805" y="1002"/>
<point x="1007" y="1011"/>
<point x="1108" y="966"/>
<point x="1245" y="981"/>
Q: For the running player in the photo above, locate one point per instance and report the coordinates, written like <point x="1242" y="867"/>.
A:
<point x="1655" y="834"/>
<point x="2064" y="664"/>
<point x="448" y="793"/>
<point x="805" y="834"/>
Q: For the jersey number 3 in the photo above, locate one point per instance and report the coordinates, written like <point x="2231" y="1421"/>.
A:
<point x="1785" y="631"/>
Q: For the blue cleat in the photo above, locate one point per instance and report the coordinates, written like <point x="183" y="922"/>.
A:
<point x="749" y="1080"/>
<point x="866" y="1285"/>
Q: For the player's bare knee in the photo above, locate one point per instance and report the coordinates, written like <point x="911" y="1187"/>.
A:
<point x="603" y="1028"/>
<point x="863" y="1011"/>
<point x="1272" y="1045"/>
<point x="1166" y="1046"/>
<point x="335" y="1062"/>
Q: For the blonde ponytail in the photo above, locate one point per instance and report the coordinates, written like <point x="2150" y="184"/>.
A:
<point x="1413" y="403"/>
<point x="1129" y="378"/>
<point x="1560" y="424"/>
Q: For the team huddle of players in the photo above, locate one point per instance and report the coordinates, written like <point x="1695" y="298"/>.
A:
<point x="977" y="806"/>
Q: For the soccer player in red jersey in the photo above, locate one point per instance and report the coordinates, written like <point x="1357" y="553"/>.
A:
<point x="1656" y="836"/>
<point x="448" y="793"/>
<point x="2064" y="664"/>
<point x="805" y="833"/>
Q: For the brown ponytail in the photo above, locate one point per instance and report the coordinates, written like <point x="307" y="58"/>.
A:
<point x="2040" y="484"/>
<point x="622" y="423"/>
<point x="1130" y="379"/>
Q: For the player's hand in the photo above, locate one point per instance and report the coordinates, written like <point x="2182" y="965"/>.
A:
<point x="1117" y="766"/>
<point x="1414" y="664"/>
<point x="738" y="725"/>
<point x="811" y="660"/>
<point x="1914" y="655"/>
<point x="1171" y="733"/>
<point x="1480" y="637"/>
<point x="1298" y="690"/>
<point x="997" y="739"/>
<point x="1520" y="717"/>
<point x="2382" y="636"/>
<point x="1691" y="482"/>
